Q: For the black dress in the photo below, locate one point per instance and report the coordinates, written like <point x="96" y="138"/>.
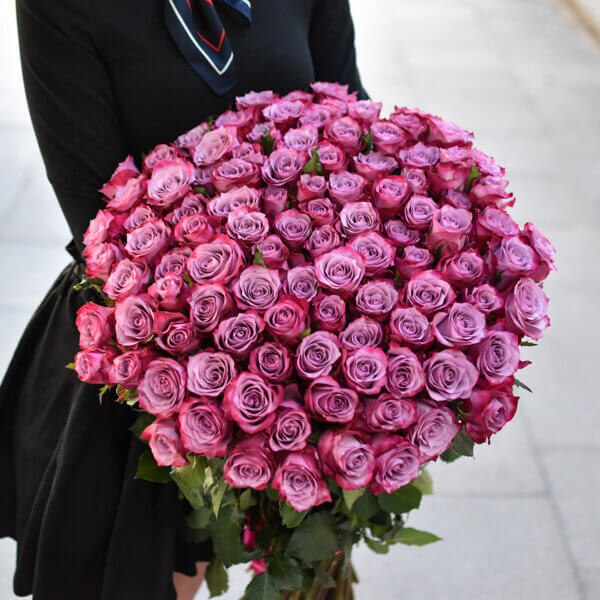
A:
<point x="104" y="79"/>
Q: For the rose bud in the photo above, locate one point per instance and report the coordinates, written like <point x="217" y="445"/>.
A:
<point x="414" y="260"/>
<point x="498" y="356"/>
<point x="209" y="373"/>
<point x="134" y="319"/>
<point x="275" y="200"/>
<point x="162" y="389"/>
<point x="344" y="132"/>
<point x="291" y="428"/>
<point x="322" y="240"/>
<point x="434" y="431"/>
<point x="220" y="206"/>
<point x="175" y="334"/>
<point x="410" y="327"/>
<point x="127" y="368"/>
<point x="412" y="124"/>
<point x="347" y="458"/>
<point x="165" y="444"/>
<point x="346" y="187"/>
<point x="251" y="402"/>
<point x="257" y="288"/>
<point x="405" y="375"/>
<point x="311" y="186"/>
<point x="365" y="111"/>
<point x="489" y="411"/>
<point x="125" y="170"/>
<point x="419" y="211"/>
<point x="419" y="156"/>
<point x="447" y="133"/>
<point x="365" y="370"/>
<point x="92" y="366"/>
<point x="361" y="332"/>
<point x="376" y="298"/>
<point x="94" y="323"/>
<point x="429" y="292"/>
<point x="218" y="261"/>
<point x="316" y="354"/>
<point x="203" y="427"/>
<point x="301" y="139"/>
<point x="174" y="261"/>
<point x="282" y="166"/>
<point x="340" y="270"/>
<point x="98" y="229"/>
<point x="274" y="252"/>
<point x="209" y="303"/>
<point x="302" y="282"/>
<point x="138" y="216"/>
<point x="294" y="227"/>
<point x="214" y="146"/>
<point x="148" y="241"/>
<point x="400" y="235"/>
<point x="328" y="401"/>
<point x="544" y="249"/>
<point x="100" y="258"/>
<point x="249" y="464"/>
<point x="287" y="319"/>
<point x="461" y="326"/>
<point x="157" y="155"/>
<point x="417" y="180"/>
<point x="485" y="297"/>
<point x="170" y="292"/>
<point x="387" y="137"/>
<point x="238" y="335"/>
<point x="390" y="194"/>
<point x="397" y="462"/>
<point x="190" y="139"/>
<point x="357" y="218"/>
<point x="328" y="312"/>
<point x="298" y="480"/>
<point x="282" y="111"/>
<point x="495" y="222"/>
<point x="234" y="173"/>
<point x="331" y="157"/>
<point x="464" y="269"/>
<point x="450" y="226"/>
<point x="170" y="181"/>
<point x="388" y="413"/>
<point x="271" y="360"/>
<point x="450" y="375"/>
<point x="527" y="309"/>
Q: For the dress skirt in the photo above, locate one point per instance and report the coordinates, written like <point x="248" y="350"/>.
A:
<point x="85" y="528"/>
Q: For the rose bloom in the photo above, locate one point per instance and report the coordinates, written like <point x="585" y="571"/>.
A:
<point x="274" y="200"/>
<point x="157" y="155"/>
<point x="165" y="444"/>
<point x="134" y="319"/>
<point x="410" y="327"/>
<point x="247" y="226"/>
<point x="388" y="413"/>
<point x="302" y="282"/>
<point x="100" y="258"/>
<point x="390" y="193"/>
<point x="274" y="252"/>
<point x="527" y="309"/>
<point x="405" y="375"/>
<point x="291" y="428"/>
<point x="332" y="157"/>
<point x="218" y="261"/>
<point x="450" y="226"/>
<point x="126" y="196"/>
<point x="387" y="137"/>
<point x="361" y="332"/>
<point x="193" y="229"/>
<point x="434" y="430"/>
<point x="203" y="428"/>
<point x="346" y="187"/>
<point x="365" y="370"/>
<point x="457" y="199"/>
<point x="175" y="334"/>
<point x="232" y="173"/>
<point x="316" y="354"/>
<point x="282" y="166"/>
<point x="328" y="312"/>
<point x="298" y="480"/>
<point x="223" y="204"/>
<point x="191" y="138"/>
<point x="347" y="458"/>
<point x="417" y="180"/>
<point x="257" y="288"/>
<point x="170" y="181"/>
<point x="498" y="356"/>
<point x="399" y="234"/>
<point x="358" y="217"/>
<point x="214" y="145"/>
<point x="174" y="260"/>
<point x="544" y="249"/>
<point x="294" y="227"/>
<point x="251" y="402"/>
<point x="99" y="228"/>
<point x="320" y="210"/>
<point x="249" y="464"/>
<point x="209" y="373"/>
<point x="249" y="152"/>
<point x="301" y="139"/>
<point x="493" y="221"/>
<point x="376" y="298"/>
<point x="414" y="260"/>
<point x="419" y="156"/>
<point x="376" y="251"/>
<point x="344" y="132"/>
<point x="255" y="99"/>
<point x="148" y="241"/>
<point x="282" y="111"/>
<point x="92" y="366"/>
<point x="461" y="326"/>
<point x="365" y="111"/>
<point x="489" y="411"/>
<point x="464" y="269"/>
<point x="429" y="292"/>
<point x="447" y="133"/>
<point x="485" y="297"/>
<point x="328" y="401"/>
<point x="413" y="124"/>
<point x="340" y="270"/>
<point x="162" y="389"/>
<point x="125" y="170"/>
<point x="419" y="211"/>
<point x="128" y="368"/>
<point x="138" y="216"/>
<point x="311" y="186"/>
<point x="397" y="462"/>
<point x="209" y="303"/>
<point x="287" y="319"/>
<point x="271" y="360"/>
<point x="450" y="375"/>
<point x="239" y="334"/>
<point x="515" y="256"/>
<point x="322" y="240"/>
<point x="94" y="323"/>
<point x="170" y="292"/>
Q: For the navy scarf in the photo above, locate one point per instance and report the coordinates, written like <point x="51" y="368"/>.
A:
<point x="198" y="32"/>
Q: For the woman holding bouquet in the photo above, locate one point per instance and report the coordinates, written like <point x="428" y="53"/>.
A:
<point x="104" y="80"/>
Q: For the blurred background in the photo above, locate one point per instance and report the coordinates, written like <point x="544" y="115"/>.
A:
<point x="522" y="521"/>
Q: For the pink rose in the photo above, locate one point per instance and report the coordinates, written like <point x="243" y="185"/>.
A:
<point x="100" y="258"/>
<point x="491" y="190"/>
<point x="94" y="323"/>
<point x="464" y="269"/>
<point x="209" y="373"/>
<point x="174" y="261"/>
<point x="335" y="90"/>
<point x="417" y="180"/>
<point x="410" y="327"/>
<point x="461" y="326"/>
<point x="218" y="261"/>
<point x="331" y="157"/>
<point x="162" y="389"/>
<point x="283" y="111"/>
<point x="148" y="241"/>
<point x="165" y="444"/>
<point x="419" y="211"/>
<point x="92" y="366"/>
<point x="328" y="401"/>
<point x="414" y="260"/>
<point x="489" y="411"/>
<point x="251" y="402"/>
<point x="128" y="195"/>
<point x="203" y="427"/>
<point x="271" y="360"/>
<point x="544" y="249"/>
<point x="399" y="234"/>
<point x="419" y="156"/>
<point x="255" y="99"/>
<point x="134" y="319"/>
<point x="239" y="334"/>
<point x="413" y="124"/>
<point x="302" y="282"/>
<point x="190" y="139"/>
<point x="320" y="210"/>
<point x="361" y="332"/>
<point x="493" y="221"/>
<point x="290" y="429"/>
<point x="170" y="181"/>
<point x="328" y="312"/>
<point x="274" y="199"/>
<point x="214" y="146"/>
<point x="138" y="216"/>
<point x="125" y="170"/>
<point x="193" y="229"/>
<point x="323" y="239"/>
<point x="98" y="229"/>
<point x="344" y="132"/>
<point x="127" y="368"/>
<point x="498" y="357"/>
<point x="365" y="111"/>
<point x="157" y="155"/>
<point x="429" y="292"/>
<point x="447" y="133"/>
<point x="257" y="288"/>
<point x="346" y="187"/>
<point x="209" y="303"/>
<point x="221" y="205"/>
<point x="340" y="270"/>
<point x="485" y="297"/>
<point x="294" y="227"/>
<point x="405" y="375"/>
<point x="249" y="464"/>
<point x="282" y="166"/>
<point x="274" y="252"/>
<point x="527" y="309"/>
<point x="170" y="292"/>
<point x="397" y="462"/>
<point x="316" y="355"/>
<point x="376" y="298"/>
<point x="450" y="226"/>
<point x="388" y="413"/>
<point x="175" y="334"/>
<point x="311" y="186"/>
<point x="450" y="375"/>
<point x="358" y="217"/>
<point x="249" y="152"/>
<point x="365" y="370"/>
<point x="387" y="137"/>
<point x="233" y="173"/>
<point x="377" y="252"/>
<point x="434" y="431"/>
<point x="390" y="194"/>
<point x="301" y="139"/>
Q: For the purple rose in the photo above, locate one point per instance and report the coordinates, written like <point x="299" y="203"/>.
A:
<point x="374" y="164"/>
<point x="411" y="122"/>
<point x="134" y="320"/>
<point x="387" y="137"/>
<point x="203" y="427"/>
<point x="365" y="111"/>
<point x="344" y="132"/>
<point x="498" y="357"/>
<point x="170" y="181"/>
<point x="255" y="99"/>
<point x="322" y="240"/>
<point x="340" y="270"/>
<point x="271" y="360"/>
<point x="162" y="389"/>
<point x="461" y="326"/>
<point x="399" y="234"/>
<point x="249" y="464"/>
<point x="257" y="288"/>
<point x="417" y="180"/>
<point x="515" y="256"/>
<point x="283" y="111"/>
<point x="232" y="173"/>
<point x="397" y="462"/>
<point x="248" y="226"/>
<point x="544" y="249"/>
<point x="419" y="156"/>
<point x="405" y="375"/>
<point x="193" y="229"/>
<point x="127" y="368"/>
<point x="328" y="312"/>
<point x="447" y="133"/>
<point x="191" y="138"/>
<point x="94" y="323"/>
<point x="320" y="210"/>
<point x="282" y="166"/>
<point x="316" y="354"/>
<point x="450" y="375"/>
<point x="218" y="261"/>
<point x="346" y="187"/>
<point x="214" y="145"/>
<point x="138" y="216"/>
<point x="410" y="327"/>
<point x="450" y="226"/>
<point x="170" y="292"/>
<point x="365" y="370"/>
<point x="376" y="251"/>
<point x="209" y="373"/>
<point x="332" y="157"/>
<point x="302" y="282"/>
<point x="358" y="217"/>
<point x="429" y="292"/>
<point x="493" y="221"/>
<point x="388" y="413"/>
<point x="290" y="429"/>
<point x="274" y="200"/>
<point x="419" y="211"/>
<point x="301" y="139"/>
<point x="328" y="401"/>
<point x="148" y="240"/>
<point x="414" y="260"/>
<point x="434" y="431"/>
<point x="274" y="252"/>
<point x="311" y="186"/>
<point x="175" y="334"/>
<point x="485" y="297"/>
<point x="464" y="269"/>
<point x="223" y="204"/>
<point x="390" y="193"/>
<point x="287" y="319"/>
<point x="238" y="335"/>
<point x="361" y="332"/>
<point x="294" y="227"/>
<point x="527" y="309"/>
<point x="157" y="155"/>
<point x="165" y="444"/>
<point x="174" y="261"/>
<point x="376" y="298"/>
<point x="209" y="303"/>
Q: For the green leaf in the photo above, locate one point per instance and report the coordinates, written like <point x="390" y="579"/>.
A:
<point x="200" y="189"/>
<point x="474" y="173"/>
<point x="449" y="456"/>
<point x="149" y="470"/>
<point x="258" y="258"/>
<point x="401" y="501"/>
<point x="71" y="366"/>
<point x="528" y="343"/>
<point x="190" y="479"/>
<point x="520" y="384"/>
<point x="188" y="279"/>
<point x="284" y="572"/>
<point x="217" y="494"/>
<point x="368" y="141"/>
<point x="414" y="537"/>
<point x="227" y="538"/>
<point x="315" y="539"/>
<point x="376" y="546"/>
<point x="199" y="518"/>
<point x="323" y="577"/>
<point x="267" y="142"/>
<point x="462" y="444"/>
<point x="437" y="253"/>
<point x="261" y="588"/>
<point x="424" y="483"/>
<point x="314" y="164"/>
<point x="247" y="499"/>
<point x="272" y="494"/>
<point x="102" y="391"/>
<point x="305" y="332"/>
<point x="141" y="423"/>
<point x="290" y="516"/>
<point x="366" y="506"/>
<point x="498" y="277"/>
<point x="351" y="496"/>
<point x="216" y="578"/>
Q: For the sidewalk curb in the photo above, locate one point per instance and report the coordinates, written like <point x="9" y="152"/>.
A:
<point x="586" y="18"/>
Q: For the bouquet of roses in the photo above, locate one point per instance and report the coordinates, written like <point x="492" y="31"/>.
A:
<point x="306" y="304"/>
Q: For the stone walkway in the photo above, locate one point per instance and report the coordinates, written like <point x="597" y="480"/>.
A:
<point x="523" y="520"/>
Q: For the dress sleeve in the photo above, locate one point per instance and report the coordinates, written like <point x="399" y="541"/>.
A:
<point x="332" y="44"/>
<point x="71" y="105"/>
